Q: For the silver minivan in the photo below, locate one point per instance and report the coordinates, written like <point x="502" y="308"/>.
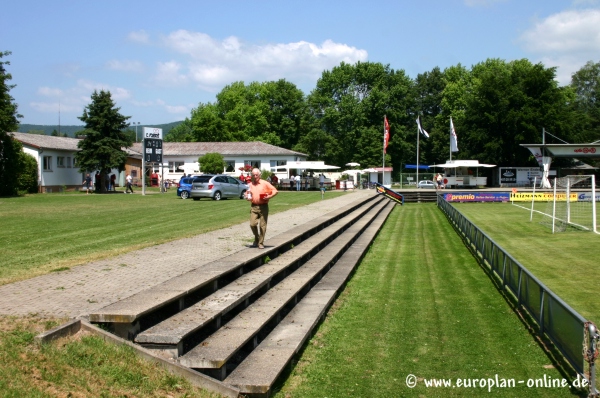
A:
<point x="217" y="187"/>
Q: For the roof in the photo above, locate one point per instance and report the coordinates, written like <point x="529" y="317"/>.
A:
<point x="224" y="148"/>
<point x="47" y="141"/>
<point x="450" y="164"/>
<point x="169" y="148"/>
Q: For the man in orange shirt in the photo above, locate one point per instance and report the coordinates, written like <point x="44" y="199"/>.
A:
<point x="259" y="193"/>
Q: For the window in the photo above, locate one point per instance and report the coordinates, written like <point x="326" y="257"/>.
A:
<point x="68" y="161"/>
<point x="275" y="163"/>
<point x="230" y="166"/>
<point x="253" y="163"/>
<point x="60" y="161"/>
<point x="47" y="163"/>
<point x="176" y="167"/>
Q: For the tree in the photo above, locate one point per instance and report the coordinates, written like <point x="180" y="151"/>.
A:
<point x="508" y="104"/>
<point x="212" y="163"/>
<point x="10" y="149"/>
<point x="349" y="104"/>
<point x="102" y="147"/>
<point x="586" y="84"/>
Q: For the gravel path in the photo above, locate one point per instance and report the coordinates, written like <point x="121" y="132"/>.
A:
<point x="89" y="287"/>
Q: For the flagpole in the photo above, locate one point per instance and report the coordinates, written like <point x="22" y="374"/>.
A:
<point x="383" y="153"/>
<point x="418" y="134"/>
<point x="450" y="136"/>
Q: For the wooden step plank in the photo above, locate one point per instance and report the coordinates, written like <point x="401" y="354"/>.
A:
<point x="218" y="348"/>
<point x="259" y="371"/>
<point x="173" y="330"/>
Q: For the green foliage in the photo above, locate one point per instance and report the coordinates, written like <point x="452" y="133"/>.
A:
<point x="271" y="112"/>
<point x="349" y="104"/>
<point x="212" y="163"/>
<point x="9" y="148"/>
<point x="102" y="147"/>
<point x="28" y="175"/>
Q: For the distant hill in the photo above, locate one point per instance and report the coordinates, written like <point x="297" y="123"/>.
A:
<point x="71" y="130"/>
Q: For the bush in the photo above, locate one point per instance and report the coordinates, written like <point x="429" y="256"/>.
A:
<point x="212" y="163"/>
<point x="28" y="175"/>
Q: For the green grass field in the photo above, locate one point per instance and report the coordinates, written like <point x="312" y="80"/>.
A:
<point x="45" y="233"/>
<point x="565" y="262"/>
<point x="419" y="303"/>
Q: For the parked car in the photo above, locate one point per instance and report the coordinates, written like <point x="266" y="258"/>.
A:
<point x="217" y="187"/>
<point x="428" y="184"/>
<point x="185" y="186"/>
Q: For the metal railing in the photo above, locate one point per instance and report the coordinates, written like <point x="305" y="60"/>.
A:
<point x="556" y="319"/>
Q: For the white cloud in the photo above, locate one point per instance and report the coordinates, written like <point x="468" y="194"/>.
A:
<point x="126" y="66"/>
<point x="169" y="74"/>
<point x="568" y="40"/>
<point x="213" y="63"/>
<point x="74" y="99"/>
<point x="139" y="37"/>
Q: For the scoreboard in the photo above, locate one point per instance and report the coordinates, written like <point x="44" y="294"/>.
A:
<point x="153" y="145"/>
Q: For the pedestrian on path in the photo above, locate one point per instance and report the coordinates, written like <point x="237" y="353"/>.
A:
<point x="259" y="193"/>
<point x="129" y="186"/>
<point x="87" y="183"/>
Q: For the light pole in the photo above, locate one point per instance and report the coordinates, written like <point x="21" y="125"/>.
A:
<point x="136" y="126"/>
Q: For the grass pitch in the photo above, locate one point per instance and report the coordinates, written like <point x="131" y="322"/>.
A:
<point x="566" y="262"/>
<point x="419" y="304"/>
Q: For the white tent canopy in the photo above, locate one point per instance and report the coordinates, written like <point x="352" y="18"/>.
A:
<point x="451" y="164"/>
<point x="304" y="165"/>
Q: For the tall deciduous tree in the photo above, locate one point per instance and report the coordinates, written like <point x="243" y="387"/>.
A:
<point x="508" y="104"/>
<point x="10" y="149"/>
<point x="102" y="147"/>
<point x="586" y="84"/>
<point x="349" y="103"/>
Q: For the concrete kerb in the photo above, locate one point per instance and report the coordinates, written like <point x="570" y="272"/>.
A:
<point x="196" y="378"/>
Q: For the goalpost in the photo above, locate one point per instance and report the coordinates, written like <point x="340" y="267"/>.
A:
<point x="568" y="208"/>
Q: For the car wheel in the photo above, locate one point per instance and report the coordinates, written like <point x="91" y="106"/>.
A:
<point x="217" y="195"/>
<point x="185" y="194"/>
<point x="243" y="194"/>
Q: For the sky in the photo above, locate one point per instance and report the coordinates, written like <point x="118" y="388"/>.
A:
<point x="161" y="59"/>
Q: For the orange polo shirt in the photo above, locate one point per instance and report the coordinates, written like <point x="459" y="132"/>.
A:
<point x="263" y="187"/>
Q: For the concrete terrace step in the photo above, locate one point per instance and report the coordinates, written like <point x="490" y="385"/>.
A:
<point x="125" y="315"/>
<point x="217" y="349"/>
<point x="169" y="334"/>
<point x="261" y="368"/>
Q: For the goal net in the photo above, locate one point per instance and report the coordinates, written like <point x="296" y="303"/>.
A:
<point x="572" y="205"/>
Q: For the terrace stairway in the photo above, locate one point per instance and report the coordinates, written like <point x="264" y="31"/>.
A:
<point x="242" y="319"/>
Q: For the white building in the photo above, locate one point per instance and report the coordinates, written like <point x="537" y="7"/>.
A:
<point x="181" y="158"/>
<point x="55" y="157"/>
<point x="57" y="171"/>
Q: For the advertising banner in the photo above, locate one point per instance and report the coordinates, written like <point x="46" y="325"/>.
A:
<point x="541" y="197"/>
<point x="477" y="197"/>
<point x="395" y="196"/>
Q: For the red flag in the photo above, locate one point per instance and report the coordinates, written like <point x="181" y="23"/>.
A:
<point x="386" y="133"/>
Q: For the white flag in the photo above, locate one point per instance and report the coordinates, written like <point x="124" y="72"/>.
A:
<point x="453" y="139"/>
<point x="421" y="130"/>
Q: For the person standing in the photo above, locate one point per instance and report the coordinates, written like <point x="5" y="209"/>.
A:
<point x="439" y="181"/>
<point x="87" y="183"/>
<point x="298" y="182"/>
<point x="113" y="180"/>
<point x="259" y="193"/>
<point x="129" y="186"/>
